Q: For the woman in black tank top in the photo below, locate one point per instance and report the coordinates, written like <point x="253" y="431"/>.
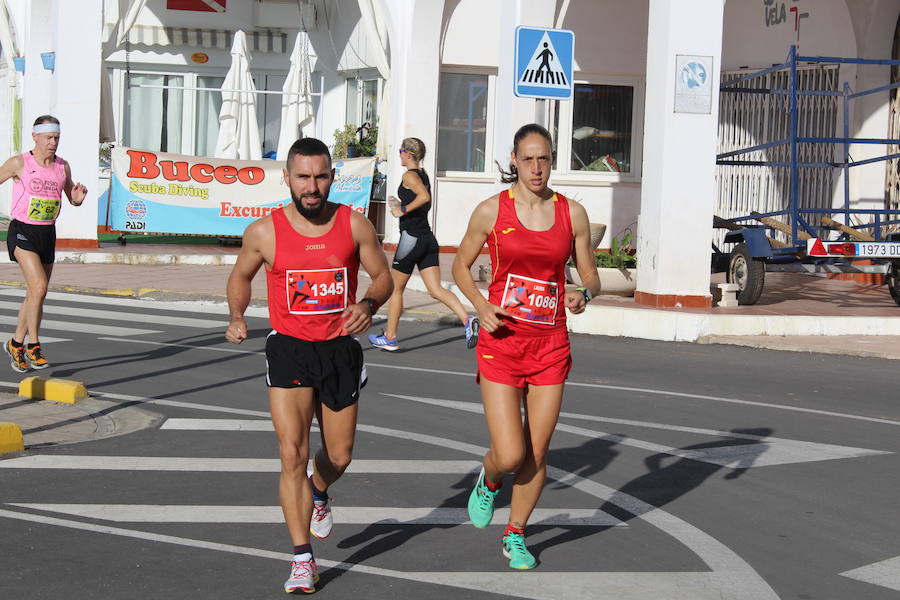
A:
<point x="417" y="248"/>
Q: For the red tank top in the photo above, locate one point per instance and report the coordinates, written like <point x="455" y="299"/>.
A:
<point x="313" y="279"/>
<point x="529" y="268"/>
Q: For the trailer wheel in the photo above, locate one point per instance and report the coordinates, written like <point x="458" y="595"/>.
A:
<point x="893" y="281"/>
<point x="748" y="273"/>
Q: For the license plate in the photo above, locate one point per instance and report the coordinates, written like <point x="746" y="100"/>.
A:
<point x="816" y="247"/>
<point x="878" y="249"/>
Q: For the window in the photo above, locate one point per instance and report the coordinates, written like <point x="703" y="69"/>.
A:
<point x="595" y="130"/>
<point x="208" y="106"/>
<point x="462" y="122"/>
<point x="601" y="128"/>
<point x="153" y="116"/>
<point x="362" y="101"/>
<point x="186" y="121"/>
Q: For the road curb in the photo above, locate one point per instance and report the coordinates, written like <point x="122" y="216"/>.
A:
<point x="11" y="439"/>
<point x="56" y="390"/>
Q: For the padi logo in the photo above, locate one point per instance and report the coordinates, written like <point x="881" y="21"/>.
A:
<point x="136" y="209"/>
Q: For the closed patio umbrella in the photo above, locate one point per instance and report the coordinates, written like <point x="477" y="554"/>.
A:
<point x="238" y="127"/>
<point x="296" y="101"/>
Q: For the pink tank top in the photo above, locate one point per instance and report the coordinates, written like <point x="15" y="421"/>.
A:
<point x="37" y="193"/>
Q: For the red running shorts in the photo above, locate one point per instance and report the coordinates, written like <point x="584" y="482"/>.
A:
<point x="516" y="360"/>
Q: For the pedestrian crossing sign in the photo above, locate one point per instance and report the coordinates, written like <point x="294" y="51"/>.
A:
<point x="544" y="63"/>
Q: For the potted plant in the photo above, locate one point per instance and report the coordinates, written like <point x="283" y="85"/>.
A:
<point x="616" y="267"/>
<point x="345" y="142"/>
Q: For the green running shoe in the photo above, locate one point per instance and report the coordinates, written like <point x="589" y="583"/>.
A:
<point x="514" y="549"/>
<point x="481" y="503"/>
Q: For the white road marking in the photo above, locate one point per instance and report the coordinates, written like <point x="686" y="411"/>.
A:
<point x="731" y="577"/>
<point x="44" y="339"/>
<point x="352" y="515"/>
<point x="90" y="313"/>
<point x="768" y="452"/>
<point x="81" y="327"/>
<point x="218" y="425"/>
<point x="533" y="585"/>
<point x="233" y="465"/>
<point x="207" y="307"/>
<point x="654" y="392"/>
<point x="885" y="573"/>
<point x="189" y="346"/>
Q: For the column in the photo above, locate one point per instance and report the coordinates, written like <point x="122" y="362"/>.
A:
<point x="415" y="29"/>
<point x="71" y="93"/>
<point x="680" y="125"/>
<point x="76" y="104"/>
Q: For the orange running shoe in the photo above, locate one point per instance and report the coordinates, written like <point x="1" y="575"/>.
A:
<point x="35" y="356"/>
<point x="17" y="356"/>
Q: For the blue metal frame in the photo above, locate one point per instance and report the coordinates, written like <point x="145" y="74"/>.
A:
<point x="797" y="222"/>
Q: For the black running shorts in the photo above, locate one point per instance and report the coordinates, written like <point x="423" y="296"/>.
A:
<point x="416" y="251"/>
<point x="40" y="239"/>
<point x="333" y="368"/>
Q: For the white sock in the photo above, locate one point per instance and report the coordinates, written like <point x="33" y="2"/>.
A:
<point x="306" y="556"/>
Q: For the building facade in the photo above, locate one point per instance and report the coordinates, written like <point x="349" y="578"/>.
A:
<point x="443" y="71"/>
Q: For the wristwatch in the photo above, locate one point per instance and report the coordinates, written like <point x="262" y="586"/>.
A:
<point x="586" y="293"/>
<point x="373" y="305"/>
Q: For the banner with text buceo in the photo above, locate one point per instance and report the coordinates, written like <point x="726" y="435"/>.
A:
<point x="161" y="192"/>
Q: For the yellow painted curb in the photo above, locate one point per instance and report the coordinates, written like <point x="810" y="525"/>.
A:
<point x="57" y="390"/>
<point x="11" y="439"/>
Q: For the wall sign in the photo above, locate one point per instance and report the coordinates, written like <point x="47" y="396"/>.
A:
<point x="693" y="84"/>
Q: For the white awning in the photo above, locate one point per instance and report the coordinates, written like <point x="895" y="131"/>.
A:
<point x="257" y="41"/>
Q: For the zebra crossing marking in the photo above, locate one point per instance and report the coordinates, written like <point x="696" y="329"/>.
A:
<point x="90" y="313"/>
<point x="82" y="327"/>
<point x="762" y="451"/>
<point x="885" y="573"/>
<point x="345" y="515"/>
<point x="44" y="338"/>
<point x="532" y="585"/>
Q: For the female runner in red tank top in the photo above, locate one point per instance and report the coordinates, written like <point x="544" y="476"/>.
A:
<point x="523" y="351"/>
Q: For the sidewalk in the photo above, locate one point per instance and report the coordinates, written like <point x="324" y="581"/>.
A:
<point x="44" y="423"/>
<point x="796" y="312"/>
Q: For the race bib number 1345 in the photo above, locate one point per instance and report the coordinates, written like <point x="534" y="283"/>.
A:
<point x="315" y="292"/>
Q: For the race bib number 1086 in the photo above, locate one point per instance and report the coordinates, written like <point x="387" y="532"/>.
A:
<point x="531" y="300"/>
<point x="315" y="292"/>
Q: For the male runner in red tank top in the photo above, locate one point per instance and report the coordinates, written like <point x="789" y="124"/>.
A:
<point x="312" y="250"/>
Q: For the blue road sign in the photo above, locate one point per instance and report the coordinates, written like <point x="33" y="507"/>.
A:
<point x="544" y="63"/>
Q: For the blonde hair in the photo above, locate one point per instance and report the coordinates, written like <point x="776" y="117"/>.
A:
<point x="414" y="146"/>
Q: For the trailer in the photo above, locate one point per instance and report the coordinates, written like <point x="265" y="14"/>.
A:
<point x="808" y="240"/>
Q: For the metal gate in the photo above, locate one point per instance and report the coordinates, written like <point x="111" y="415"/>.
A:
<point x="750" y="119"/>
<point x="892" y="166"/>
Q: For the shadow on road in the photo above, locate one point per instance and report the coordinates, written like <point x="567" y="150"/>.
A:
<point x="385" y="536"/>
<point x="668" y="477"/>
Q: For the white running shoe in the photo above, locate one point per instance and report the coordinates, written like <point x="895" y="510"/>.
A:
<point x="322" y="521"/>
<point x="304" y="575"/>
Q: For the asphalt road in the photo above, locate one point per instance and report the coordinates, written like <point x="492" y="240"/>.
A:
<point x="678" y="471"/>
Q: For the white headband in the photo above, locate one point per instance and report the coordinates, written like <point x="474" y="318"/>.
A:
<point x="46" y="128"/>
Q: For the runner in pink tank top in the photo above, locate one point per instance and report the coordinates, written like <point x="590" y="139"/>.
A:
<point x="312" y="250"/>
<point x="40" y="178"/>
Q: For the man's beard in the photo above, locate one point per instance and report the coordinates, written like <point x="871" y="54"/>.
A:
<point x="309" y="213"/>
